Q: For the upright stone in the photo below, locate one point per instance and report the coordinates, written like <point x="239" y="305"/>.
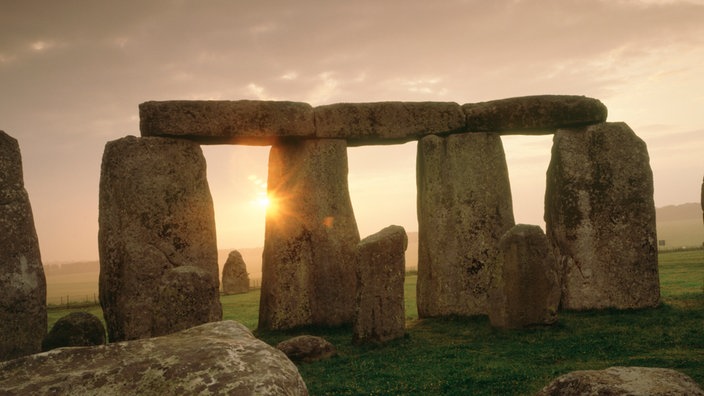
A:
<point x="464" y="207"/>
<point x="23" y="319"/>
<point x="600" y="218"/>
<point x="186" y="297"/>
<point x="525" y="289"/>
<point x="156" y="214"/>
<point x="308" y="275"/>
<point x="235" y="278"/>
<point x="381" y="268"/>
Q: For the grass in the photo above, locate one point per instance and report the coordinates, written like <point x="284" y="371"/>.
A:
<point x="468" y="356"/>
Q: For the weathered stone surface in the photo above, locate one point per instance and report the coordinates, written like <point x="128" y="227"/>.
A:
<point x="156" y="213"/>
<point x="308" y="275"/>
<point x="252" y="122"/>
<point x="623" y="381"/>
<point x="221" y="358"/>
<point x="307" y="348"/>
<point x="464" y="207"/>
<point x="525" y="288"/>
<point x="381" y="269"/>
<point x="235" y="278"/>
<point x="540" y="114"/>
<point x="702" y="199"/>
<point x="75" y="329"/>
<point x="387" y="122"/>
<point x="186" y="297"/>
<point x="600" y="218"/>
<point x="23" y="319"/>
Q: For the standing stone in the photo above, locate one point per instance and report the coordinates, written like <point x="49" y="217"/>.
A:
<point x="308" y="275"/>
<point x="23" y="319"/>
<point x="156" y="214"/>
<point x="702" y="199"/>
<point x="600" y="218"/>
<point x="464" y="207"/>
<point x="235" y="278"/>
<point x="381" y="269"/>
<point x="186" y="297"/>
<point x="525" y="289"/>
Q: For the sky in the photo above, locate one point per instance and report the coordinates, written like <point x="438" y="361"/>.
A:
<point x="72" y="74"/>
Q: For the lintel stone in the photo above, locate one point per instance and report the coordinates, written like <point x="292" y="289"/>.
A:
<point x="534" y="115"/>
<point x="251" y="122"/>
<point x="264" y="123"/>
<point x="387" y="122"/>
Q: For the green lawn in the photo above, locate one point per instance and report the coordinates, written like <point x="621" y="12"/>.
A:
<point x="467" y="356"/>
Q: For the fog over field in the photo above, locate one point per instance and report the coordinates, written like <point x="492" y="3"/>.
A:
<point x="677" y="225"/>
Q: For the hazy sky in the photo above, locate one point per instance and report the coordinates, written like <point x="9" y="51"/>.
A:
<point x="72" y="74"/>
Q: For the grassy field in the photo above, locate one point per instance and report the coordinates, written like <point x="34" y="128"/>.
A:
<point x="467" y="356"/>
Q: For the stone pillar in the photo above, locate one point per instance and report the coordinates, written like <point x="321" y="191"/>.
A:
<point x="23" y="320"/>
<point x="156" y="214"/>
<point x="600" y="218"/>
<point x="308" y="275"/>
<point x="464" y="207"/>
<point x="381" y="269"/>
<point x="525" y="288"/>
<point x="235" y="279"/>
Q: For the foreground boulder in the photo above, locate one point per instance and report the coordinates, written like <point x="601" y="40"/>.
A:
<point x="623" y="381"/>
<point x="75" y="329"/>
<point x="600" y="218"/>
<point x="221" y="358"/>
<point x="381" y="269"/>
<point x="308" y="275"/>
<point x="525" y="287"/>
<point x="464" y="207"/>
<point x="235" y="278"/>
<point x="156" y="214"/>
<point x="23" y="319"/>
<point x="307" y="348"/>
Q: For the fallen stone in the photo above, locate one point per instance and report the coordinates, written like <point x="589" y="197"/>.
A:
<point x="73" y="330"/>
<point x="381" y="269"/>
<point x="533" y="114"/>
<point x="525" y="288"/>
<point x="307" y="348"/>
<point x="387" y="122"/>
<point x="623" y="381"/>
<point x="235" y="278"/>
<point x="308" y="275"/>
<point x="220" y="358"/>
<point x="600" y="218"/>
<point x="23" y="319"/>
<point x="156" y="213"/>
<point x="186" y="297"/>
<point x="252" y="122"/>
<point x="464" y="207"/>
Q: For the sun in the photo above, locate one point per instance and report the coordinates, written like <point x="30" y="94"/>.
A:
<point x="264" y="202"/>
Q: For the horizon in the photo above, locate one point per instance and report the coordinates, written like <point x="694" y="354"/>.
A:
<point x="73" y="75"/>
